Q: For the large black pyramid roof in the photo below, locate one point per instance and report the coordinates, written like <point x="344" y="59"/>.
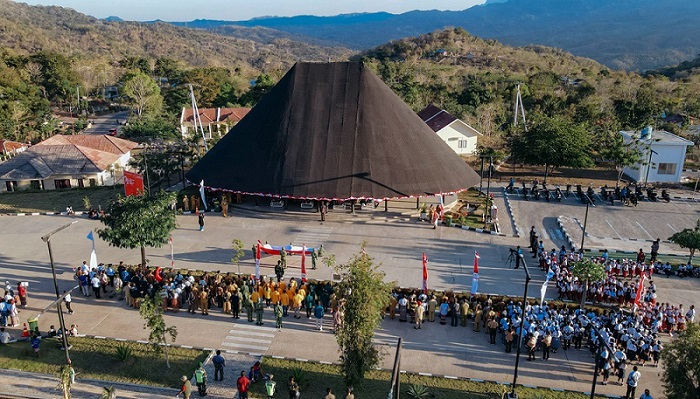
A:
<point x="332" y="131"/>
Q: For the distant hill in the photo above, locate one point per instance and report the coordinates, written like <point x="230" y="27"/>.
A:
<point x="27" y="29"/>
<point x="622" y="34"/>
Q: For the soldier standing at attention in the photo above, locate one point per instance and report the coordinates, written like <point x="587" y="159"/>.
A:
<point x="283" y="258"/>
<point x="432" y="307"/>
<point x="259" y="309"/>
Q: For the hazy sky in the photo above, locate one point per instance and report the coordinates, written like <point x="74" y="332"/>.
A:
<point x="186" y="10"/>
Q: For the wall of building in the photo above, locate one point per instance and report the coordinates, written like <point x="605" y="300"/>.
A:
<point x="666" y="154"/>
<point x="456" y="131"/>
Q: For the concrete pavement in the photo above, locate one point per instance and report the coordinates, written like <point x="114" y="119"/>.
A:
<point x="395" y="241"/>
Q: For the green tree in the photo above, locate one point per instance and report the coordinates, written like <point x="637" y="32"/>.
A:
<point x="621" y="154"/>
<point x="143" y="93"/>
<point x="237" y="253"/>
<point x="263" y="84"/>
<point x="365" y="295"/>
<point x="588" y="272"/>
<point x="139" y="221"/>
<point x="151" y="127"/>
<point x="689" y="239"/>
<point x="681" y="375"/>
<point x="554" y="142"/>
<point x="151" y="310"/>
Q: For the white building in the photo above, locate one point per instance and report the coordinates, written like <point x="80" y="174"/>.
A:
<point x="461" y="137"/>
<point x="666" y="152"/>
<point x="215" y="121"/>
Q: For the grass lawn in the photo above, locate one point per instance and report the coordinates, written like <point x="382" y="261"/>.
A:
<point x="317" y="377"/>
<point x="96" y="358"/>
<point x="57" y="200"/>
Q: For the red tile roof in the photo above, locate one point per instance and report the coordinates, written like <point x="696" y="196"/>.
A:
<point x="7" y="146"/>
<point x="209" y="115"/>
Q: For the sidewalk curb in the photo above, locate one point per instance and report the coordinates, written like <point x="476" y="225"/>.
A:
<point x="566" y="234"/>
<point x="509" y="208"/>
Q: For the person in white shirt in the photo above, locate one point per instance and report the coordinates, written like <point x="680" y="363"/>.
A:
<point x="96" y="283"/>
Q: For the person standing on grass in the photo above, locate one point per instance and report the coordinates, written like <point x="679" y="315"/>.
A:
<point x="200" y="377"/>
<point x="186" y="388"/>
<point x="36" y="342"/>
<point x="293" y="388"/>
<point x="243" y="383"/>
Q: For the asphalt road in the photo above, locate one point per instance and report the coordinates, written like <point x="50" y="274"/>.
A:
<point x="103" y="123"/>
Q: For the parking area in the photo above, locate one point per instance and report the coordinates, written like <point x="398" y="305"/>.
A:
<point x="608" y="226"/>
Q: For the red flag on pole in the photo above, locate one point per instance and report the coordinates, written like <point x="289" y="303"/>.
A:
<point x="257" y="260"/>
<point x="303" y="263"/>
<point x="425" y="274"/>
<point x="475" y="276"/>
<point x="640" y="290"/>
<point x="133" y="184"/>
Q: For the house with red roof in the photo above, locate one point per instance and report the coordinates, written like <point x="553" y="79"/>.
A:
<point x="63" y="161"/>
<point x="458" y="135"/>
<point x="215" y="121"/>
<point x="11" y="148"/>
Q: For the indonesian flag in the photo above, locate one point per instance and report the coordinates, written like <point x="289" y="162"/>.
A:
<point x="640" y="290"/>
<point x="257" y="260"/>
<point x="425" y="274"/>
<point x="303" y="264"/>
<point x="172" y="257"/>
<point x="475" y="276"/>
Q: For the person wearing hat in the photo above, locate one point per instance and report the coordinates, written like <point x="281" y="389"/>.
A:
<point x="200" y="377"/>
<point x="186" y="389"/>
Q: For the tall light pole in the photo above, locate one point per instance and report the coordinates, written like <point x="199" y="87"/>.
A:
<point x="651" y="152"/>
<point x="512" y="394"/>
<point x="59" y="308"/>
<point x="589" y="201"/>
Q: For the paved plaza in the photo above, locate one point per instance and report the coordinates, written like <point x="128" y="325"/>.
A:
<point x="395" y="240"/>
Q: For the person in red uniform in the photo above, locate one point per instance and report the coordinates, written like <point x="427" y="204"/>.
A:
<point x="243" y="383"/>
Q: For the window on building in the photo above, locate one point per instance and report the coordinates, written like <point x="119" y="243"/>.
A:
<point x="667" y="168"/>
<point x="35" y="184"/>
<point x="453" y="139"/>
<point x="11" y="185"/>
<point x="81" y="183"/>
<point x="62" y="183"/>
<point x="93" y="182"/>
<point x="462" y="144"/>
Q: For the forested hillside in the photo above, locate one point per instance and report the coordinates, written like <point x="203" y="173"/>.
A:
<point x="475" y="79"/>
<point x="28" y="29"/>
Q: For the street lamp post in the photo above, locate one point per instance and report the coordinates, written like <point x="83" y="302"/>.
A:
<point x="519" y="343"/>
<point x="651" y="152"/>
<point x="488" y="181"/>
<point x="589" y="201"/>
<point x="59" y="308"/>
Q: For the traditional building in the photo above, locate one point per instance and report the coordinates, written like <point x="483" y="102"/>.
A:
<point x="215" y="121"/>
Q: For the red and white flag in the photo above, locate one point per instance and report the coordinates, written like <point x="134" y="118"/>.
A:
<point x="640" y="291"/>
<point x="172" y="257"/>
<point x="475" y="276"/>
<point x="425" y="274"/>
<point x="303" y="263"/>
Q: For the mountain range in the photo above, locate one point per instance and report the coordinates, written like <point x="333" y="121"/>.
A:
<point x="621" y="34"/>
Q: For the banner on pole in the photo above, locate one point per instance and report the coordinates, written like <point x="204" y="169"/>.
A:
<point x="303" y="264"/>
<point x="133" y="184"/>
<point x="425" y="274"/>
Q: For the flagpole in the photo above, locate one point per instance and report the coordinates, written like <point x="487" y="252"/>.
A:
<point x="519" y="344"/>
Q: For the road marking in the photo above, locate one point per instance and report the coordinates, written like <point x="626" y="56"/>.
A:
<point x="243" y="346"/>
<point x="543" y="234"/>
<point x="613" y="229"/>
<point x="674" y="230"/>
<point x="521" y="232"/>
<point x="249" y="327"/>
<point x="253" y="340"/>
<point x="254" y="334"/>
<point x="642" y="227"/>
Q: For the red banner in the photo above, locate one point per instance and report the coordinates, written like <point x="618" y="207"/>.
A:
<point x="303" y="264"/>
<point x="425" y="274"/>
<point x="133" y="184"/>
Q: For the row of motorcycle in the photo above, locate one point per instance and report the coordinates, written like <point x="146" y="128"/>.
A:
<point x="628" y="195"/>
